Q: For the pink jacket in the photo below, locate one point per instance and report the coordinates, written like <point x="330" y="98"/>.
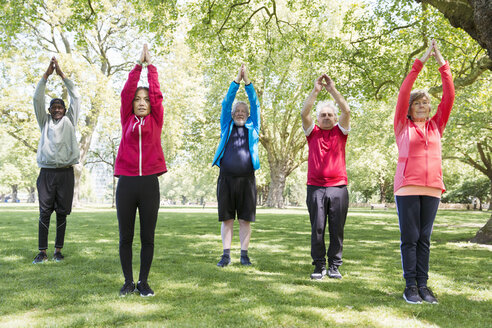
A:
<point x="140" y="151"/>
<point x="419" y="155"/>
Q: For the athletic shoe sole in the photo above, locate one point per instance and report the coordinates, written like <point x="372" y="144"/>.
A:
<point x="410" y="302"/>
<point x="317" y="276"/>
<point x="335" y="276"/>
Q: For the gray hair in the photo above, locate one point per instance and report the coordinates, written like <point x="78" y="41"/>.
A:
<point x="237" y="103"/>
<point x="326" y="103"/>
<point x="415" y="95"/>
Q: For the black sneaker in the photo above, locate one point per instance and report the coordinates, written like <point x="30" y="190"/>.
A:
<point x="319" y="272"/>
<point x="40" y="258"/>
<point x="411" y="295"/>
<point x="144" y="289"/>
<point x="58" y="257"/>
<point x="245" y="260"/>
<point x="224" y="261"/>
<point x="128" y="288"/>
<point x="427" y="295"/>
<point x="333" y="272"/>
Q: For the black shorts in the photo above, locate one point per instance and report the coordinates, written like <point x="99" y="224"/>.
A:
<point x="236" y="195"/>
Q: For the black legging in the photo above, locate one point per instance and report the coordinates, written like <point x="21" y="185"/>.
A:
<point x="416" y="216"/>
<point x="134" y="192"/>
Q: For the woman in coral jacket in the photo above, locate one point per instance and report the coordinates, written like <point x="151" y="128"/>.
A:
<point x="139" y="162"/>
<point x="418" y="180"/>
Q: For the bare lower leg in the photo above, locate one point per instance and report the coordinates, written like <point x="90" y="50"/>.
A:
<point x="244" y="234"/>
<point x="226" y="230"/>
<point x="57" y="250"/>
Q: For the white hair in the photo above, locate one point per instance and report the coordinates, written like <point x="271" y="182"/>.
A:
<point x="237" y="103"/>
<point x="326" y="103"/>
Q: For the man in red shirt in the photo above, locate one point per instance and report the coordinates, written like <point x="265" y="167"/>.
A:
<point x="327" y="194"/>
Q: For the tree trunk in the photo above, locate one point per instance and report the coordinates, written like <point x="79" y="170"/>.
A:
<point x="77" y="171"/>
<point x="14" y="193"/>
<point x="382" y="193"/>
<point x="113" y="197"/>
<point x="490" y="201"/>
<point x="484" y="235"/>
<point x="277" y="186"/>
<point x="32" y="194"/>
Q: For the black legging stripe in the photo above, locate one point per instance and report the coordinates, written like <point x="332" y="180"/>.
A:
<point x="134" y="192"/>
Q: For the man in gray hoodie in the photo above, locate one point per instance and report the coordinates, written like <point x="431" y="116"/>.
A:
<point x="58" y="151"/>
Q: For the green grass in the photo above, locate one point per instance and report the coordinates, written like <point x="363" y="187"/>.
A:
<point x="191" y="291"/>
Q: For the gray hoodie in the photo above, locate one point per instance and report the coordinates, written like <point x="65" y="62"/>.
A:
<point x="58" y="146"/>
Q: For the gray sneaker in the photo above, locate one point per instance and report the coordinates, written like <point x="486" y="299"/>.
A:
<point x="319" y="272"/>
<point x="411" y="295"/>
<point x="333" y="272"/>
<point x="40" y="258"/>
<point x="427" y="295"/>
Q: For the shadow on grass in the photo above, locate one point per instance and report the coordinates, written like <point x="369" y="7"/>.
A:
<point x="276" y="291"/>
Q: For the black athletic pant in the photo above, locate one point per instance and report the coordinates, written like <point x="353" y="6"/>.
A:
<point x="323" y="202"/>
<point x="134" y="192"/>
<point x="55" y="193"/>
<point x="416" y="216"/>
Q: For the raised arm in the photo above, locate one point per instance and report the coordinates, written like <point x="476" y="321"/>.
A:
<point x="307" y="120"/>
<point x="73" y="111"/>
<point x="39" y="95"/>
<point x="155" y="94"/>
<point x="128" y="92"/>
<point x="406" y="88"/>
<point x="226" y="116"/>
<point x="344" y="119"/>
<point x="444" y="108"/>
<point x="253" y="99"/>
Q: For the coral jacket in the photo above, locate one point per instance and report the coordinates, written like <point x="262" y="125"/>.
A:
<point x="419" y="153"/>
<point x="140" y="151"/>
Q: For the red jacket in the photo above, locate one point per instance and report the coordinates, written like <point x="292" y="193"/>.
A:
<point x="140" y="151"/>
<point x="419" y="156"/>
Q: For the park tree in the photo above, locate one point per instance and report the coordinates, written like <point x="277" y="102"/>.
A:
<point x="18" y="169"/>
<point x="282" y="44"/>
<point x="473" y="16"/>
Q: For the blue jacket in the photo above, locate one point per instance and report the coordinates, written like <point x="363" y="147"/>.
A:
<point x="252" y="123"/>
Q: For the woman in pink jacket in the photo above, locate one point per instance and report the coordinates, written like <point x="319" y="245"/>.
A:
<point x="139" y="162"/>
<point x="418" y="180"/>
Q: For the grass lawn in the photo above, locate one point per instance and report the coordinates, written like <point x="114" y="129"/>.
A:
<point x="191" y="291"/>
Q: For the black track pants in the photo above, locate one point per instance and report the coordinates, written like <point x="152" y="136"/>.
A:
<point x="323" y="202"/>
<point x="55" y="193"/>
<point x="134" y="192"/>
<point x="416" y="216"/>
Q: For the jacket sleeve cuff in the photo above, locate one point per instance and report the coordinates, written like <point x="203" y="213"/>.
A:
<point x="444" y="67"/>
<point x="418" y="64"/>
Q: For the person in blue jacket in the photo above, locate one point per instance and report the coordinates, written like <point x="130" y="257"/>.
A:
<point x="237" y="158"/>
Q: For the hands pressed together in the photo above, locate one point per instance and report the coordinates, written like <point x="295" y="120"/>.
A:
<point x="53" y="66"/>
<point x="324" y="81"/>
<point x="242" y="75"/>
<point x="433" y="50"/>
<point x="145" y="55"/>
